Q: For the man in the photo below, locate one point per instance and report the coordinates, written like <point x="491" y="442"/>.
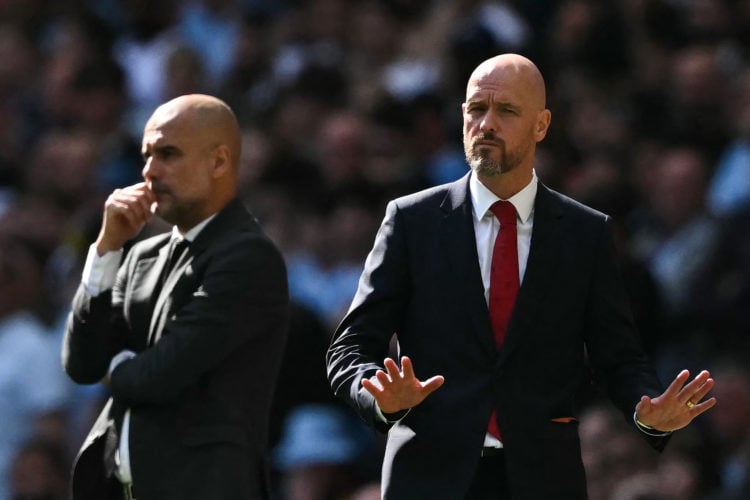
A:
<point x="191" y="353"/>
<point x="496" y="417"/>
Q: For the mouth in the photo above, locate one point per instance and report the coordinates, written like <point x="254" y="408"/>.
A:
<point x="159" y="191"/>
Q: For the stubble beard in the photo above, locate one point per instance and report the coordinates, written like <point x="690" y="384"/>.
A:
<point x="484" y="165"/>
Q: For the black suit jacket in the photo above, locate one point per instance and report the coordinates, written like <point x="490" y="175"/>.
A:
<point x="208" y="343"/>
<point x="422" y="282"/>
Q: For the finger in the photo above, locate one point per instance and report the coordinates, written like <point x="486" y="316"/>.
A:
<point x="644" y="406"/>
<point x="383" y="378"/>
<point x="134" y="199"/>
<point x="144" y="203"/>
<point x="704" y="406"/>
<point x="372" y="387"/>
<point x="433" y="383"/>
<point x="407" y="368"/>
<point x="674" y="388"/>
<point x="393" y="370"/>
<point x="130" y="206"/>
<point x="701" y="391"/>
<point x="121" y="209"/>
<point x="691" y="390"/>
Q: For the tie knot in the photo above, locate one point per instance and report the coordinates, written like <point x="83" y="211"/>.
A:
<point x="504" y="211"/>
<point x="177" y="248"/>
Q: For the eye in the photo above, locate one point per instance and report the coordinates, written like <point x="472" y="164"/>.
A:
<point x="476" y="108"/>
<point x="166" y="152"/>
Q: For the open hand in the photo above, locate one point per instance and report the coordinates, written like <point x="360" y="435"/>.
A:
<point x="399" y="389"/>
<point x="679" y="404"/>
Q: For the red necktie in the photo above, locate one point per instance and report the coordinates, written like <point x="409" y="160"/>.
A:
<point x="504" y="281"/>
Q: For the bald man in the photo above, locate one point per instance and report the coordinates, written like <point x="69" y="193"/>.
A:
<point x="187" y="328"/>
<point x="495" y="286"/>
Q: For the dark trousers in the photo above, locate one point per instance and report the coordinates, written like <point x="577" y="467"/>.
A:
<point x="491" y="479"/>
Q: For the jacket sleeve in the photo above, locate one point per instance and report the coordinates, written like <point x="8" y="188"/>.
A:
<point x="362" y="340"/>
<point x="95" y="332"/>
<point x="613" y="343"/>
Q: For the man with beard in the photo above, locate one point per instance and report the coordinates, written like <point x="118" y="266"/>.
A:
<point x="188" y="330"/>
<point x="500" y="293"/>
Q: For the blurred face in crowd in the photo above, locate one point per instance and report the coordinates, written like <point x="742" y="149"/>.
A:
<point x="504" y="115"/>
<point x="190" y="146"/>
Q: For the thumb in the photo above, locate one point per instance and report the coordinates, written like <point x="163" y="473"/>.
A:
<point x="433" y="383"/>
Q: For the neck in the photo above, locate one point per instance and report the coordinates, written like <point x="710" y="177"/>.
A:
<point x="507" y="184"/>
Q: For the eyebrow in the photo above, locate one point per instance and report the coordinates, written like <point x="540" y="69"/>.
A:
<point x="496" y="104"/>
<point x="165" y="148"/>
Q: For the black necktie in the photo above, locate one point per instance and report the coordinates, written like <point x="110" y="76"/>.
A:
<point x="175" y="253"/>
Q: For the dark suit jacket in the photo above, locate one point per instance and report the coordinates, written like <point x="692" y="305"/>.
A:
<point x="208" y="346"/>
<point x="422" y="282"/>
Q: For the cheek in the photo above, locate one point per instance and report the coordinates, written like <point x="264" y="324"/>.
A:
<point x="470" y="127"/>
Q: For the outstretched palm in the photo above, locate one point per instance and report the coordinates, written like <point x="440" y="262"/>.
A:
<point x="397" y="389"/>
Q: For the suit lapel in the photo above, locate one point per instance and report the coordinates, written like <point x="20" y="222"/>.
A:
<point x="234" y="217"/>
<point x="542" y="260"/>
<point x="458" y="240"/>
<point x="157" y="316"/>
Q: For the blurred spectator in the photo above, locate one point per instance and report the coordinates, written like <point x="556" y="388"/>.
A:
<point x="729" y="426"/>
<point x="329" y="268"/>
<point x="32" y="385"/>
<point x="680" y="235"/>
<point x="721" y="297"/>
<point x="326" y="453"/>
<point x="143" y="50"/>
<point x="99" y="101"/>
<point x="211" y="28"/>
<point x="40" y="471"/>
<point x="729" y="191"/>
<point x="624" y="455"/>
<point x="440" y="156"/>
<point x="185" y="73"/>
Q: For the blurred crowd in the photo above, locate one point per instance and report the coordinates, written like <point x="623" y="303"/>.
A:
<point x="345" y="104"/>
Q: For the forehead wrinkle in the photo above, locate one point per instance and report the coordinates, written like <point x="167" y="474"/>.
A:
<point x="514" y="72"/>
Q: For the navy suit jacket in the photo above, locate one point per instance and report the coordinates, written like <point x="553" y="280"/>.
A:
<point x="209" y="344"/>
<point x="422" y="282"/>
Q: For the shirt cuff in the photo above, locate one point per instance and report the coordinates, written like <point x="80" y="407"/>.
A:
<point x="100" y="271"/>
<point x="119" y="358"/>
<point x="647" y="429"/>
<point x="390" y="418"/>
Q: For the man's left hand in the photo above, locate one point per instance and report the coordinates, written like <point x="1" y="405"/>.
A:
<point x="679" y="404"/>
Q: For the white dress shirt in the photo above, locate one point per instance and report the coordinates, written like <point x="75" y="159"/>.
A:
<point x="486" y="228"/>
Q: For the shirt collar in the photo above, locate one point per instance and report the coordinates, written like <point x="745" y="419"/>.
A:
<point x="482" y="198"/>
<point x="192" y="232"/>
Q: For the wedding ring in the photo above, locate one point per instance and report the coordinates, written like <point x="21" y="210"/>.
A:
<point x="689" y="404"/>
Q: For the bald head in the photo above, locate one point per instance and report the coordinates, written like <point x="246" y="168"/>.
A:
<point x="211" y="118"/>
<point x="192" y="147"/>
<point x="514" y="69"/>
<point x="505" y="116"/>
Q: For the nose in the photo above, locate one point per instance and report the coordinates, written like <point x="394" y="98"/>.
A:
<point x="488" y="122"/>
<point x="148" y="171"/>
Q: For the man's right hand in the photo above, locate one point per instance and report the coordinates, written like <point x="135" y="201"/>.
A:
<point x="399" y="389"/>
<point x="126" y="211"/>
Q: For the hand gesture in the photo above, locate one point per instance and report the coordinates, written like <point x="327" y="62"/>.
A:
<point x="399" y="389"/>
<point x="679" y="404"/>
<point x="126" y="211"/>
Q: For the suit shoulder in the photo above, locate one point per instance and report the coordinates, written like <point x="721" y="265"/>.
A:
<point x="426" y="198"/>
<point x="572" y="207"/>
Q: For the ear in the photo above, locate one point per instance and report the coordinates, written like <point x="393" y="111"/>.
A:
<point x="542" y="124"/>
<point x="222" y="161"/>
